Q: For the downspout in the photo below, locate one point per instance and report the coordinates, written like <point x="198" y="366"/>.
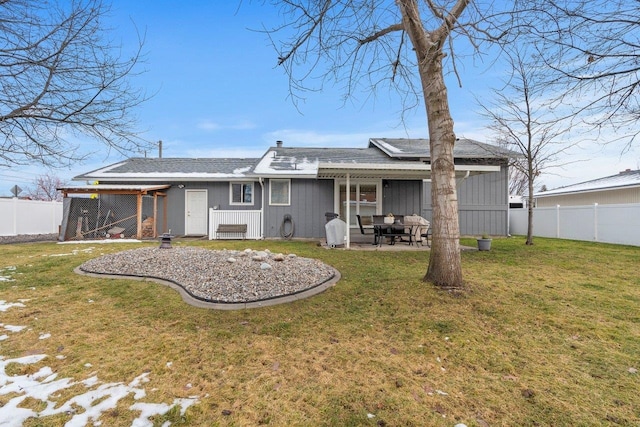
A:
<point x="261" y="181"/>
<point x="461" y="180"/>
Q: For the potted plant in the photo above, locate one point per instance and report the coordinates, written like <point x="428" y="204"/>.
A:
<point x="484" y="243"/>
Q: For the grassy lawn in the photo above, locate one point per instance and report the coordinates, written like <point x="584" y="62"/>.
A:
<point x="546" y="335"/>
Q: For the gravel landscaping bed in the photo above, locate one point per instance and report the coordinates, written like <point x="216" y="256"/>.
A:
<point x="224" y="276"/>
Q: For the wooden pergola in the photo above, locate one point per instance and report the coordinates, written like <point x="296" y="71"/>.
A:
<point x="136" y="190"/>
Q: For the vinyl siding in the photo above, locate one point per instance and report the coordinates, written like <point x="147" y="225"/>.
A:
<point x="217" y="197"/>
<point x="401" y="197"/>
<point x="310" y="200"/>
<point x="483" y="202"/>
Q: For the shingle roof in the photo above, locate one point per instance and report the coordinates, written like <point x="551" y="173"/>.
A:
<point x="297" y="160"/>
<point x="286" y="161"/>
<point x="419" y="148"/>
<point x="172" y="168"/>
<point x="629" y="178"/>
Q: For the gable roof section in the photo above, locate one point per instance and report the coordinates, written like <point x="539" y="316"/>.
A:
<point x="626" y="179"/>
<point x="164" y="169"/>
<point x="383" y="158"/>
<point x="418" y="149"/>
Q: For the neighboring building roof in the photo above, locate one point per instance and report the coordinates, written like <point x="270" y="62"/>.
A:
<point x="625" y="179"/>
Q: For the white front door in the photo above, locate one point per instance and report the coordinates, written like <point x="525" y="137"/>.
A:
<point x="195" y="212"/>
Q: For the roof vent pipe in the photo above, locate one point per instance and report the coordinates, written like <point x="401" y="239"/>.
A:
<point x="279" y="144"/>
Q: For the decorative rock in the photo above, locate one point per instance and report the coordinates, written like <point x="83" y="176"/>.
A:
<point x="231" y="260"/>
<point x="278" y="257"/>
<point x="257" y="258"/>
<point x="210" y="276"/>
<point x="265" y="266"/>
<point x="292" y="256"/>
<point x="262" y="254"/>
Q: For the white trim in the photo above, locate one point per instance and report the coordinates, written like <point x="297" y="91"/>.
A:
<point x="288" y="180"/>
<point x="242" y="183"/>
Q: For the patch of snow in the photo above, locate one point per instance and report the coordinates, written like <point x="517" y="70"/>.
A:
<point x="4" y="306"/>
<point x="85" y="408"/>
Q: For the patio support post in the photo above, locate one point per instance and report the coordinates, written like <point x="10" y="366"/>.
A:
<point x="139" y="215"/>
<point x="348" y="242"/>
<point x="155" y="214"/>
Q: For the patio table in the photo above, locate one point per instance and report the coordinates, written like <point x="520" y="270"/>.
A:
<point x="392" y="230"/>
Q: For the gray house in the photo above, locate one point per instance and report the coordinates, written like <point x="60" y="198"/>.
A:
<point x="288" y="191"/>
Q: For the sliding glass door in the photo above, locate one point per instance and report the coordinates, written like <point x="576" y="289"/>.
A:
<point x="364" y="198"/>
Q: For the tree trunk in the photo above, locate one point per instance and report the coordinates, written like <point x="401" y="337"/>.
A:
<point x="530" y="211"/>
<point x="445" y="268"/>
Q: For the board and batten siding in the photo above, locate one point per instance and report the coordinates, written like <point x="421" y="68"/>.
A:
<point x="401" y="197"/>
<point x="217" y="198"/>
<point x="483" y="203"/>
<point x="310" y="200"/>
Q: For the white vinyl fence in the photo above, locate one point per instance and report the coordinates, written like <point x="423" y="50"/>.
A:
<point x="253" y="220"/>
<point x="596" y="223"/>
<point x="29" y="217"/>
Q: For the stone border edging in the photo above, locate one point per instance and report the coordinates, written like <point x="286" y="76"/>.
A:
<point x="201" y="303"/>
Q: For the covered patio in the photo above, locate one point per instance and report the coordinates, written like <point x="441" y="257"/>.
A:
<point x="411" y="171"/>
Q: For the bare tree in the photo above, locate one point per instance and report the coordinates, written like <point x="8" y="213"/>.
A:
<point x="524" y="123"/>
<point x="518" y="182"/>
<point x="401" y="45"/>
<point x="45" y="187"/>
<point x="591" y="49"/>
<point x="61" y="77"/>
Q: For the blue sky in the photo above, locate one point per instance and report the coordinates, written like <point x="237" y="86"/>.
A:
<point x="218" y="93"/>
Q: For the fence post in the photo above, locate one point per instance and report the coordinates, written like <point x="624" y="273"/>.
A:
<point x="595" y="222"/>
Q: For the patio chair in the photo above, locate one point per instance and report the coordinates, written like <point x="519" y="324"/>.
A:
<point x="367" y="231"/>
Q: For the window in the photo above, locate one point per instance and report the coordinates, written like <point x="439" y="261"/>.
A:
<point x="280" y="192"/>
<point x="242" y="193"/>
